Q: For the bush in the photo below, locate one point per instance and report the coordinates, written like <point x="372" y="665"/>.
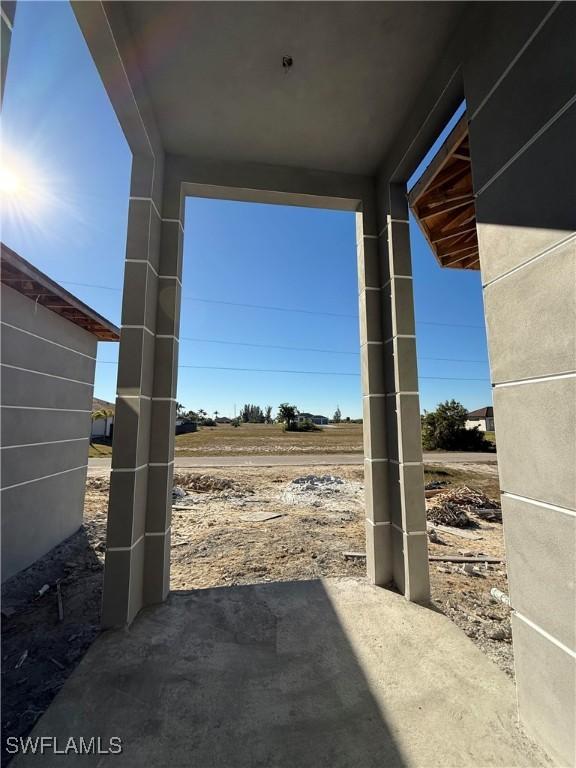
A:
<point x="209" y="423"/>
<point x="443" y="429"/>
<point x="307" y="426"/>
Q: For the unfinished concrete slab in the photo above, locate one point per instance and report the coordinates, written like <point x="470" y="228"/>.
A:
<point x="334" y="672"/>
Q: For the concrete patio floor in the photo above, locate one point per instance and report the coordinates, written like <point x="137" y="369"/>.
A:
<point x="333" y="673"/>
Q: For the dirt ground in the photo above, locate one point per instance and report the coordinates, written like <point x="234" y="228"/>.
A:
<point x="259" y="440"/>
<point x="219" y="538"/>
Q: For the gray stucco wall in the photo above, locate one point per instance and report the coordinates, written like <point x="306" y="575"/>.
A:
<point x="521" y="99"/>
<point x="47" y="379"/>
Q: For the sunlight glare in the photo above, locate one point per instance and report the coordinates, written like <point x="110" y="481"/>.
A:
<point x="25" y="193"/>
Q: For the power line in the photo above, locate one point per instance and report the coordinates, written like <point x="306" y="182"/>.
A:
<point x="268" y="346"/>
<point x="311" y="349"/>
<point x="268" y="307"/>
<point x="89" y="285"/>
<point x="452" y="359"/>
<point x="272" y="308"/>
<point x="307" y="373"/>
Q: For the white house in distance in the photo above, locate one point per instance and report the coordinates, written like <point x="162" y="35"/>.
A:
<point x="102" y="427"/>
<point x="483" y="418"/>
<point x="303" y="418"/>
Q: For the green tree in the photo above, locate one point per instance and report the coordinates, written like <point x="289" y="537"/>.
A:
<point x="287" y="415"/>
<point x="268" y="414"/>
<point x="444" y="429"/>
<point x="337" y="418"/>
<point x="251" y="414"/>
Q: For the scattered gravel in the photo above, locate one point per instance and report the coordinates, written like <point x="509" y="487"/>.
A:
<point x="321" y="490"/>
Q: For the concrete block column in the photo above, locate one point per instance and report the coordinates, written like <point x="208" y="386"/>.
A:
<point x="138" y="538"/>
<point x="395" y="513"/>
<point x="163" y="414"/>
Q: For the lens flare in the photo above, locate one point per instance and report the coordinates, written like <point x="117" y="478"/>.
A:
<point x="24" y="189"/>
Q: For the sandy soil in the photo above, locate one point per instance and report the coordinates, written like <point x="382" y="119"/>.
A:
<point x="216" y="540"/>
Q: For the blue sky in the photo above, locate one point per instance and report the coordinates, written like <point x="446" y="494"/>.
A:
<point x="57" y="118"/>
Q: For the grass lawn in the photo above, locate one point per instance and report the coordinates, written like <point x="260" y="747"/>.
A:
<point x="100" y="448"/>
<point x="264" y="439"/>
<point x="483" y="479"/>
<point x="259" y="440"/>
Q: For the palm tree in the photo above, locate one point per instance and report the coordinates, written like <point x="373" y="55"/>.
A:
<point x="287" y="415"/>
<point x="216" y="414"/>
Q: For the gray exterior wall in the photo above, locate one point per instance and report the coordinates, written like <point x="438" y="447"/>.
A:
<point x="47" y="379"/>
<point x="520" y="86"/>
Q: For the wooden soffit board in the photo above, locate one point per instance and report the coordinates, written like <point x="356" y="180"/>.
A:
<point x="443" y="202"/>
<point x="20" y="275"/>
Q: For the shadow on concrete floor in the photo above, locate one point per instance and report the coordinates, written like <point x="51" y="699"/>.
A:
<point x="332" y="673"/>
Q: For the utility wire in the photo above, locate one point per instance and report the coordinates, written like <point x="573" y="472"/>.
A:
<point x="282" y="370"/>
<point x="268" y="346"/>
<point x="269" y="307"/>
<point x="312" y="349"/>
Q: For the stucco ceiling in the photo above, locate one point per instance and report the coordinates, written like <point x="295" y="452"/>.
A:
<point x="213" y="71"/>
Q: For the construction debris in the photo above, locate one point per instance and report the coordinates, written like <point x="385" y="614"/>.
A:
<point x="21" y="660"/>
<point x="453" y="507"/>
<point x="464" y="559"/>
<point x="492" y="515"/>
<point x="449" y="514"/>
<point x="202" y="484"/>
<point x="499" y="596"/>
<point x="325" y="491"/>
<point x="354" y="555"/>
<point x="471" y="570"/>
<point x="59" y="597"/>
<point x="42" y="591"/>
<point x="433" y="536"/>
<point x="259" y="517"/>
<point x="453" y="532"/>
<point x="435" y="485"/>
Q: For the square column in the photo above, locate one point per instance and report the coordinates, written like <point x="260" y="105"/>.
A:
<point x="138" y="536"/>
<point x="163" y="414"/>
<point x="397" y="547"/>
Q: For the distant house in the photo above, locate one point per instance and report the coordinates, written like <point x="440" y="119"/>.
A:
<point x="304" y="418"/>
<point x="103" y="427"/>
<point x="49" y="341"/>
<point x="184" y="425"/>
<point x="483" y="418"/>
<point x="223" y="420"/>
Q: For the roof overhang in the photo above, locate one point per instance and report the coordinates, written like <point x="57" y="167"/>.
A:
<point x="210" y="77"/>
<point x="442" y="202"/>
<point x="20" y="275"/>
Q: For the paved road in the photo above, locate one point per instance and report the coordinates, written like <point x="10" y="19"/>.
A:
<point x="290" y="460"/>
